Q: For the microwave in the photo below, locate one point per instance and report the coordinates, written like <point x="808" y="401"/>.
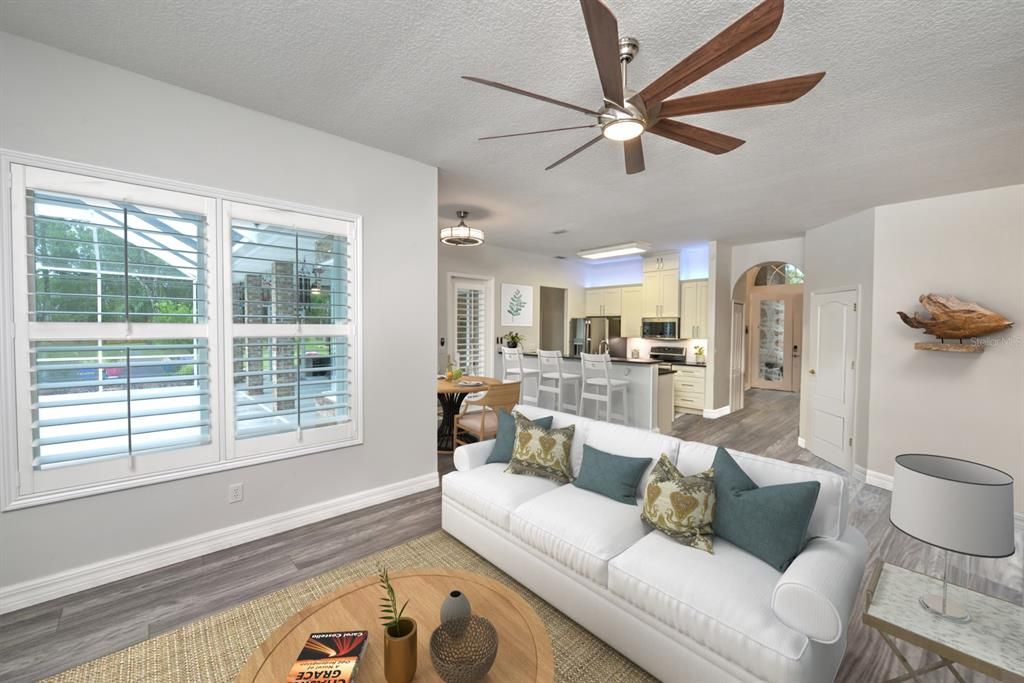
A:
<point x="660" y="328"/>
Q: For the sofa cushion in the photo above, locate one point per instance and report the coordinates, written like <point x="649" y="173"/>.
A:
<point x="681" y="507"/>
<point x="610" y="475"/>
<point x="578" y="529"/>
<point x="504" y="440"/>
<point x="540" y="452"/>
<point x="636" y="443"/>
<point x="491" y="493"/>
<point x="560" y="420"/>
<point x="722" y="601"/>
<point x="769" y="522"/>
<point x="829" y="517"/>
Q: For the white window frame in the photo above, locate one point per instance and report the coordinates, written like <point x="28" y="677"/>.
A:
<point x="21" y="485"/>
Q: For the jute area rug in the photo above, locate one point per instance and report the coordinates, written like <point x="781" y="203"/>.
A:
<point x="215" y="648"/>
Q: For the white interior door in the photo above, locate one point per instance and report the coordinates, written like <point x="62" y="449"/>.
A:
<point x="832" y="382"/>
<point x="470" y="307"/>
<point x="738" y="356"/>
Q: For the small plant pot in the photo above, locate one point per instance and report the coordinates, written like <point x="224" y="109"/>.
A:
<point x="400" y="652"/>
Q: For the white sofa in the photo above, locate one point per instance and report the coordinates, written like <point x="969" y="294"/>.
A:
<point x="680" y="613"/>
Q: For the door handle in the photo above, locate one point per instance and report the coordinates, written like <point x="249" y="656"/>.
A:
<point x="812" y="371"/>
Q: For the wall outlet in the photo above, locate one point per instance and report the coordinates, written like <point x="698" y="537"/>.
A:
<point x="235" y="493"/>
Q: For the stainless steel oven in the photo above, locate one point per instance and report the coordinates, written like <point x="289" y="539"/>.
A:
<point x="660" y="328"/>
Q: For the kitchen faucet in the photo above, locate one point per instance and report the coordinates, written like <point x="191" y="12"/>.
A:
<point x="603" y="346"/>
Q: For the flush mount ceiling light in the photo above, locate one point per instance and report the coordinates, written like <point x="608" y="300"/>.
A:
<point x="462" y="235"/>
<point x="614" y="250"/>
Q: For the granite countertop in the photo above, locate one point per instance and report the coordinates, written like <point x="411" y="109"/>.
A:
<point x="635" y="361"/>
<point x="691" y="364"/>
<point x="665" y="371"/>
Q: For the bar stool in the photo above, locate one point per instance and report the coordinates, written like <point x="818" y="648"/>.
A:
<point x="513" y="371"/>
<point x="600" y="388"/>
<point x="551" y="371"/>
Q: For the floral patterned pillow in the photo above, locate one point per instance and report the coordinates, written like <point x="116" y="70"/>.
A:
<point x="681" y="507"/>
<point x="541" y="452"/>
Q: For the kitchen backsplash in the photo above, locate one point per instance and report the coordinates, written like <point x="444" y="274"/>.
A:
<point x="644" y="345"/>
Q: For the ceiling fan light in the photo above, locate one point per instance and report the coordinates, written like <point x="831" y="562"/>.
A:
<point x="622" y="129"/>
<point x="462" y="236"/>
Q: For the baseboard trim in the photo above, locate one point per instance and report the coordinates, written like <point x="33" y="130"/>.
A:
<point x="801" y="442"/>
<point x="715" y="413"/>
<point x="882" y="481"/>
<point x="34" y="591"/>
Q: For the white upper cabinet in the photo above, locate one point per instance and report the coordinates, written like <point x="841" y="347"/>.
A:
<point x="632" y="311"/>
<point x="603" y="301"/>
<point x="668" y="261"/>
<point x="694" y="317"/>
<point x="669" y="294"/>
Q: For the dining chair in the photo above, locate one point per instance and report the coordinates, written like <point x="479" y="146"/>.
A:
<point x="551" y="370"/>
<point x="513" y="371"/>
<point x="600" y="387"/>
<point x="483" y="424"/>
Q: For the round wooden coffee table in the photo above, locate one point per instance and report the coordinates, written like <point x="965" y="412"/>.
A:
<point x="524" y="649"/>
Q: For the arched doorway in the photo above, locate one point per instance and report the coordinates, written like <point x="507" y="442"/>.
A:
<point x="768" y="307"/>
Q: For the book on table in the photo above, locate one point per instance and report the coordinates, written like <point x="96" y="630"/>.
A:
<point x="329" y="658"/>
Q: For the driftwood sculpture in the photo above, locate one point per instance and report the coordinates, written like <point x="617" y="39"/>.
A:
<point x="952" y="318"/>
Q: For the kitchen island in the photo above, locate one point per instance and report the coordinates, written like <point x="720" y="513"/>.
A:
<point x="645" y="392"/>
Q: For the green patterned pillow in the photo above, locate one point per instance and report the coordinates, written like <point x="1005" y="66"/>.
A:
<point x="681" y="507"/>
<point x="541" y="452"/>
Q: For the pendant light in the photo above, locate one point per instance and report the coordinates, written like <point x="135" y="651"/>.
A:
<point x="462" y="235"/>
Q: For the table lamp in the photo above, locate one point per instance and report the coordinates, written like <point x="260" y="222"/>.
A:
<point x="955" y="505"/>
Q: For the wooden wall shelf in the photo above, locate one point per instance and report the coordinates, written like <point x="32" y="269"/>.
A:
<point x="949" y="348"/>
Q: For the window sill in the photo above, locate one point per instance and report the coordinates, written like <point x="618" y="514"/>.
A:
<point x="45" y="498"/>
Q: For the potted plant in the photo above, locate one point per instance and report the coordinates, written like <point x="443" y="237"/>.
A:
<point x="698" y="354"/>
<point x="399" y="635"/>
<point x="513" y="339"/>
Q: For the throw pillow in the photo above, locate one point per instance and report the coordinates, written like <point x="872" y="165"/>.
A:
<point x="614" y="476"/>
<point x="506" y="436"/>
<point x="541" y="452"/>
<point x="769" y="522"/>
<point x="682" y="507"/>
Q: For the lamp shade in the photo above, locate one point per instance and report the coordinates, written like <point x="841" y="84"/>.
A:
<point x="953" y="504"/>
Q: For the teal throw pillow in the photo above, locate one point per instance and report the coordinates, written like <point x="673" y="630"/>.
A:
<point x="506" y="437"/>
<point x="614" y="476"/>
<point x="769" y="522"/>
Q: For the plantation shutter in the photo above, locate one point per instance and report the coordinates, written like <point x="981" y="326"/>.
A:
<point x="470" y="327"/>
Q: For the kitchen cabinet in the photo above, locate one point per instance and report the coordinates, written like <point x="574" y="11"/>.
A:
<point x="632" y="311"/>
<point x="656" y="262"/>
<point x="688" y="389"/>
<point x="693" y="323"/>
<point x="661" y="294"/>
<point x="601" y="301"/>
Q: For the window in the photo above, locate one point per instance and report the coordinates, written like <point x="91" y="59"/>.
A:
<point x="470" y="331"/>
<point x="778" y="274"/>
<point x="129" y="371"/>
<point x="291" y="328"/>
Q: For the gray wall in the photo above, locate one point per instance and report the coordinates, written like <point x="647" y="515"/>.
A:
<point x="720" y="285"/>
<point x="963" y="405"/>
<point x="840" y="255"/>
<point x="76" y="109"/>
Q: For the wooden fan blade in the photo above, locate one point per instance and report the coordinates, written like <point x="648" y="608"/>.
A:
<point x="755" y="95"/>
<point x="701" y="138"/>
<point x="542" y="98"/>
<point x="573" y="153"/>
<point x="746" y="33"/>
<point x="634" y="156"/>
<point x="603" y="28"/>
<point x="536" y="132"/>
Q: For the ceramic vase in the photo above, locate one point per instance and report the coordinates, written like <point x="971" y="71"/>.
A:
<point x="400" y="652"/>
<point x="454" y="606"/>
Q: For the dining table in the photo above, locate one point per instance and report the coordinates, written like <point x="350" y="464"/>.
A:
<point x="450" y="394"/>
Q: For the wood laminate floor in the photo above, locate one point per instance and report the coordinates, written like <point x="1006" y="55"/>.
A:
<point x="105" y="619"/>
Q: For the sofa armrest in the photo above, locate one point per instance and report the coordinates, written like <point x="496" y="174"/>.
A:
<point x="472" y="455"/>
<point x="817" y="592"/>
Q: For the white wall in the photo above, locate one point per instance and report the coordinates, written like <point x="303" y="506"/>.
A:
<point x="63" y="106"/>
<point x="719" y="351"/>
<point x="963" y="405"/>
<point x="841" y="255"/>
<point x="509" y="266"/>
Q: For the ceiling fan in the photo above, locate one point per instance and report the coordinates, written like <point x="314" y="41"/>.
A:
<point x="625" y="114"/>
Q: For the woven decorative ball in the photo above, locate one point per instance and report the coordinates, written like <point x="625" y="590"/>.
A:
<point x="463" y="649"/>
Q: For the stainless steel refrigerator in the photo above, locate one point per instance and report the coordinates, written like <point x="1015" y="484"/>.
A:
<point x="588" y="333"/>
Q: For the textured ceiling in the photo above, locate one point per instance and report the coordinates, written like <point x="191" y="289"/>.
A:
<point x="922" y="97"/>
